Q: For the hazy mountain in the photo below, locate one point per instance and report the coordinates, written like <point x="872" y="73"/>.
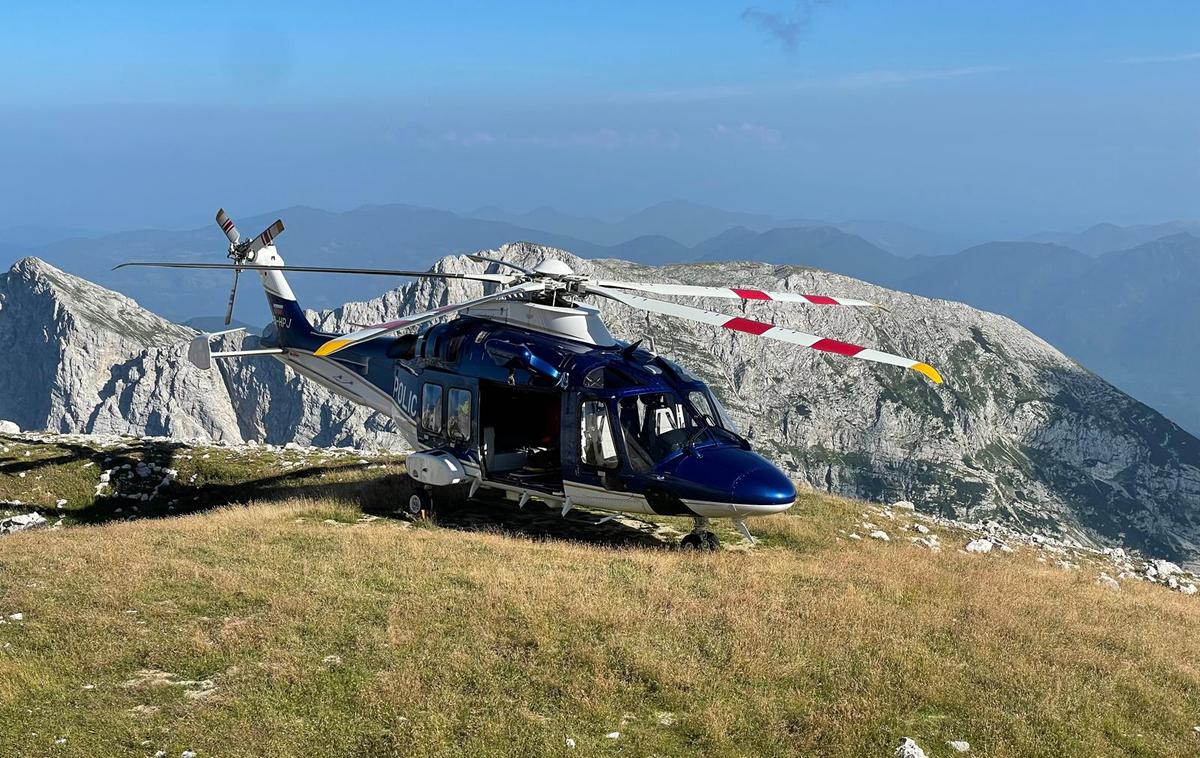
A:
<point x="819" y="247"/>
<point x="1013" y="278"/>
<point x="550" y="220"/>
<point x="36" y="236"/>
<point x="900" y="239"/>
<point x="690" y="224"/>
<point x="1130" y="315"/>
<point x="682" y="221"/>
<point x="1018" y="432"/>
<point x="651" y="248"/>
<point x="1106" y="238"/>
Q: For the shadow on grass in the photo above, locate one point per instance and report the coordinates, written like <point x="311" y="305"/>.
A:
<point x="382" y="495"/>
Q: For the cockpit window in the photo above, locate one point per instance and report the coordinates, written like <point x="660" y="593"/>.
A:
<point x="655" y="425"/>
<point x="700" y="404"/>
<point x="723" y="415"/>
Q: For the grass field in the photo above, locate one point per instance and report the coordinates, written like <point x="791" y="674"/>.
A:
<point x="307" y="621"/>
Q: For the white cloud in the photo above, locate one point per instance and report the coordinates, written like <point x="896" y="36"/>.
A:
<point x="875" y="78"/>
<point x="1176" y="58"/>
<point x="594" y="139"/>
<point x="748" y="132"/>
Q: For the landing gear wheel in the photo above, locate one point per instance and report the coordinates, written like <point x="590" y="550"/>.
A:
<point x="702" y="541"/>
<point x="420" y="501"/>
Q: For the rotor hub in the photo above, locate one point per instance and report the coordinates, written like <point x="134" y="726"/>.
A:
<point x="553" y="267"/>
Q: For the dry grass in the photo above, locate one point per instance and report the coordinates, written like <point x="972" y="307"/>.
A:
<point x="458" y="643"/>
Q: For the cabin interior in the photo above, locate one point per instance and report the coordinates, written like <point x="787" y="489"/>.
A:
<point x="521" y="428"/>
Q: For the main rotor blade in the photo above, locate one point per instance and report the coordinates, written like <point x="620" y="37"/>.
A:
<point x="734" y="293"/>
<point x="379" y="330"/>
<point x="763" y="329"/>
<point x="495" y="278"/>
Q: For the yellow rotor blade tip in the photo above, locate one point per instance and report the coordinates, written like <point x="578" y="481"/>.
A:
<point x="928" y="371"/>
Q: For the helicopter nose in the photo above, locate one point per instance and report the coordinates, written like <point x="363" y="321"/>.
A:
<point x="762" y="490"/>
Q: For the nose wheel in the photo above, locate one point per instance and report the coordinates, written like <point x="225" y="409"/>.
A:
<point x="700" y="538"/>
<point x="420" y="501"/>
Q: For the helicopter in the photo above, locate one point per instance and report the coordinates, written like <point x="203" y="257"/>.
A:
<point x="524" y="391"/>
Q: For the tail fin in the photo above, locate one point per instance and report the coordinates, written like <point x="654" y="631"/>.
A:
<point x="292" y="328"/>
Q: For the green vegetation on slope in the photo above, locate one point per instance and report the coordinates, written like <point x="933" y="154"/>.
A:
<point x="297" y="625"/>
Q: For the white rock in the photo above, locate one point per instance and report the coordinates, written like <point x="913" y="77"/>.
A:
<point x="8" y="427"/>
<point x="910" y="749"/>
<point x="921" y="528"/>
<point x="854" y="536"/>
<point x="959" y="746"/>
<point x="879" y="534"/>
<point x="1106" y="581"/>
<point x="1187" y="589"/>
<point x="1166" y="568"/>
<point x="612" y="735"/>
<point x="904" y="505"/>
<point x="979" y="546"/>
<point x="16" y="617"/>
<point x="188" y="754"/>
<point x="17" y="523"/>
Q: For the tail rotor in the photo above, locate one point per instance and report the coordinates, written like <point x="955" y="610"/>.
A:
<point x="243" y="251"/>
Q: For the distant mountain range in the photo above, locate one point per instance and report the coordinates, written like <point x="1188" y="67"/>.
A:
<point x="1128" y="313"/>
<point x="689" y="224"/>
<point x="1107" y="238"/>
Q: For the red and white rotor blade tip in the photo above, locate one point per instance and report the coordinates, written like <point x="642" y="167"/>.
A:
<point x="267" y="237"/>
<point x="735" y="293"/>
<point x="227" y="226"/>
<point x="379" y="330"/>
<point x="764" y="329"/>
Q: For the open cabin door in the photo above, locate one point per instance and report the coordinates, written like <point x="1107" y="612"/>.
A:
<point x="520" y="434"/>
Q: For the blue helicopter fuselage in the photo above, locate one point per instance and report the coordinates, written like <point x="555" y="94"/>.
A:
<point x="612" y="427"/>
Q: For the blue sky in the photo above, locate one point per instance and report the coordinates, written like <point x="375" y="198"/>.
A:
<point x="983" y="118"/>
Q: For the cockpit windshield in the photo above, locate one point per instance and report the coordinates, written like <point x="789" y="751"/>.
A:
<point x="657" y="424"/>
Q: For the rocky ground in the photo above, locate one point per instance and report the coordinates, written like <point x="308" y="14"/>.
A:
<point x="1112" y="566"/>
